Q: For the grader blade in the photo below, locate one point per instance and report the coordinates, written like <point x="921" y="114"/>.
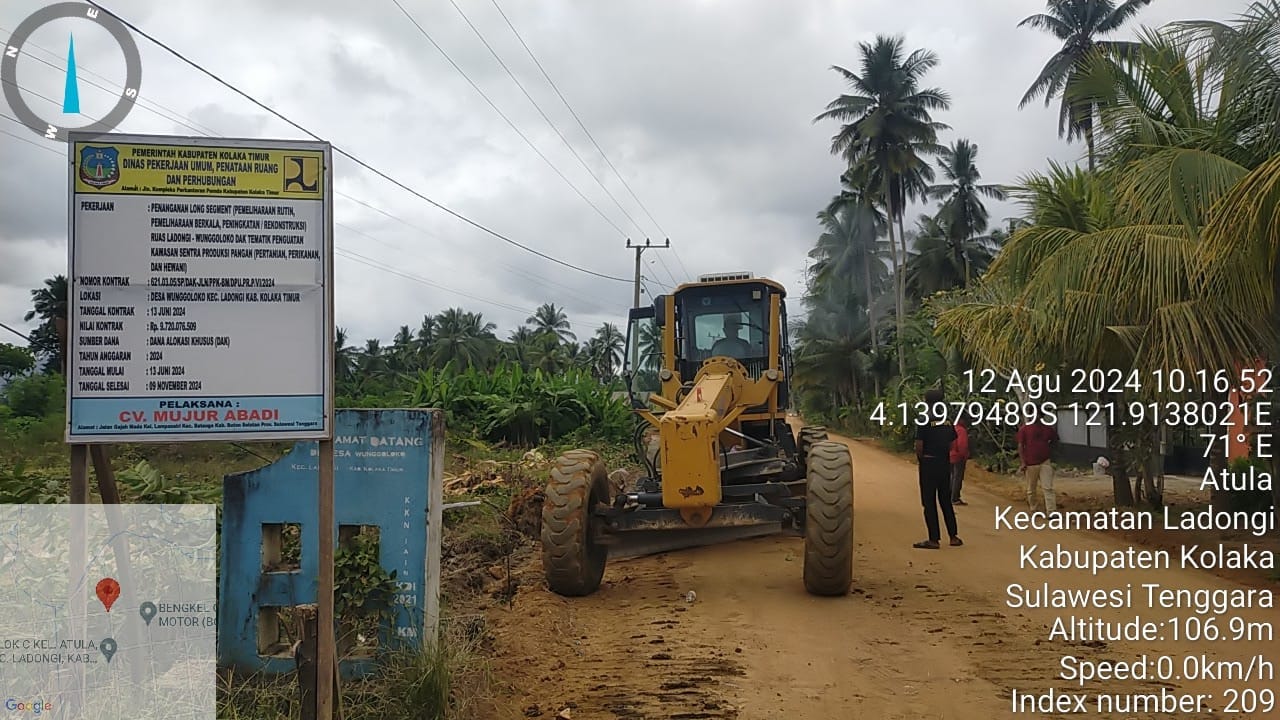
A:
<point x="640" y="543"/>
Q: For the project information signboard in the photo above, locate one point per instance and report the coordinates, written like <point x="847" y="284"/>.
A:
<point x="200" y="289"/>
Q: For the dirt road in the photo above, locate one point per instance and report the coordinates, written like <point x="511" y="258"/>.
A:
<point x="924" y="634"/>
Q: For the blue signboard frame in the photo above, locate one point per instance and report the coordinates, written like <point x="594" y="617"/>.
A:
<point x="389" y="468"/>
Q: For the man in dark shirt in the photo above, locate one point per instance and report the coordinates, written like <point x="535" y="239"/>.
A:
<point x="933" y="451"/>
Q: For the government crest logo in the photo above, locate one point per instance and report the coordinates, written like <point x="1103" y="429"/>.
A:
<point x="99" y="166"/>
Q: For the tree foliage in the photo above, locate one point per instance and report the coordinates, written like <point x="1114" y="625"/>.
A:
<point x="15" y="361"/>
<point x="1160" y="254"/>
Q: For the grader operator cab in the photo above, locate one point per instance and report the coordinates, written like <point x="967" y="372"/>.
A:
<point x="708" y="371"/>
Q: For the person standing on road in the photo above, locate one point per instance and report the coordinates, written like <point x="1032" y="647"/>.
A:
<point x="1036" y="441"/>
<point x="959" y="457"/>
<point x="933" y="452"/>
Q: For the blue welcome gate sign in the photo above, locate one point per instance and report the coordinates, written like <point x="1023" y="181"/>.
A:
<point x="388" y="476"/>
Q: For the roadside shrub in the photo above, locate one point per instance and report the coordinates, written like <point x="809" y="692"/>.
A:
<point x="21" y="485"/>
<point x="36" y="396"/>
<point x="521" y="407"/>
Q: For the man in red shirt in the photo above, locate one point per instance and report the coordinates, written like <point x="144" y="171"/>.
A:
<point x="1036" y="441"/>
<point x="959" y="456"/>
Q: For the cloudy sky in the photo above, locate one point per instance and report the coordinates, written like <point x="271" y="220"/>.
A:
<point x="704" y="108"/>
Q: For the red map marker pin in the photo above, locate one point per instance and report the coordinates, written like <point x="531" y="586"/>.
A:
<point x="108" y="590"/>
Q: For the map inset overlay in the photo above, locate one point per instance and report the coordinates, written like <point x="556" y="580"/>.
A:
<point x="109" y="612"/>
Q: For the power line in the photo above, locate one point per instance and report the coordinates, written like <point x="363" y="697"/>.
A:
<point x="179" y="119"/>
<point x="15" y="332"/>
<point x="16" y="121"/>
<point x="582" y="125"/>
<point x="674" y="281"/>
<point x="538" y="107"/>
<point x="174" y="116"/>
<point x="33" y="93"/>
<point x="81" y="69"/>
<point x="25" y="139"/>
<point x="350" y="156"/>
<point x="575" y="116"/>
<point x="654" y="279"/>
<point x="191" y="124"/>
<point x="379" y="265"/>
<point x="510" y="268"/>
<point x="503" y="115"/>
<point x="343" y="252"/>
<point x="429" y="282"/>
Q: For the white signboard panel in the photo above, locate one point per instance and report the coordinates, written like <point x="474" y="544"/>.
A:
<point x="200" y="289"/>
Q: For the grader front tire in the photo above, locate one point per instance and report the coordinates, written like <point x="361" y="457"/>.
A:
<point x="828" y="528"/>
<point x="571" y="559"/>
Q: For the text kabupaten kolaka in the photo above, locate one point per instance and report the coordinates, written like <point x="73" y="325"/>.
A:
<point x="1193" y="557"/>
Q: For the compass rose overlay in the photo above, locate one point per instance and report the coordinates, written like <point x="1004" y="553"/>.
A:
<point x="13" y="50"/>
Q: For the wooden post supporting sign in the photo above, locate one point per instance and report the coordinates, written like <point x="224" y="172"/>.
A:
<point x="326" y="656"/>
<point x="232" y="346"/>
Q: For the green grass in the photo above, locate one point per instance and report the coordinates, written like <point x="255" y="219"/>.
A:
<point x="492" y="418"/>
<point x="442" y="681"/>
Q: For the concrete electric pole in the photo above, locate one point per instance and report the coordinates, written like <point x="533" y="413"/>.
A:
<point x="635" y="292"/>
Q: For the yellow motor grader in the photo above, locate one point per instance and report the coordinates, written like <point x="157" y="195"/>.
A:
<point x="707" y="369"/>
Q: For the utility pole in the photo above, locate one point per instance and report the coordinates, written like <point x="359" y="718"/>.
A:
<point x="635" y="292"/>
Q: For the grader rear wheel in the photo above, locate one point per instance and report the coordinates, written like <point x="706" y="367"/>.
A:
<point x="807" y="436"/>
<point x="571" y="558"/>
<point x="828" y="528"/>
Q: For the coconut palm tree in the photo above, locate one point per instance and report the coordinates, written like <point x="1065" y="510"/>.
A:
<point x="1239" y="257"/>
<point x="547" y="353"/>
<point x="374" y="362"/>
<point x="831" y="359"/>
<point x="850" y="247"/>
<point x="1106" y="277"/>
<point x="519" y="344"/>
<point x="49" y="303"/>
<point x="1175" y="127"/>
<point x="550" y="320"/>
<point x="424" y="338"/>
<point x="962" y="213"/>
<point x="1246" y="56"/>
<point x="606" y="352"/>
<point x="464" y="338"/>
<point x="941" y="262"/>
<point x="402" y="353"/>
<point x="887" y="128"/>
<point x="650" y="346"/>
<point x="1078" y="24"/>
<point x="344" y="357"/>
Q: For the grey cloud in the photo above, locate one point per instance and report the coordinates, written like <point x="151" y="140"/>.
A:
<point x="25" y="259"/>
<point x="33" y="189"/>
<point x="212" y="117"/>
<point x="705" y="109"/>
<point x="350" y="67"/>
